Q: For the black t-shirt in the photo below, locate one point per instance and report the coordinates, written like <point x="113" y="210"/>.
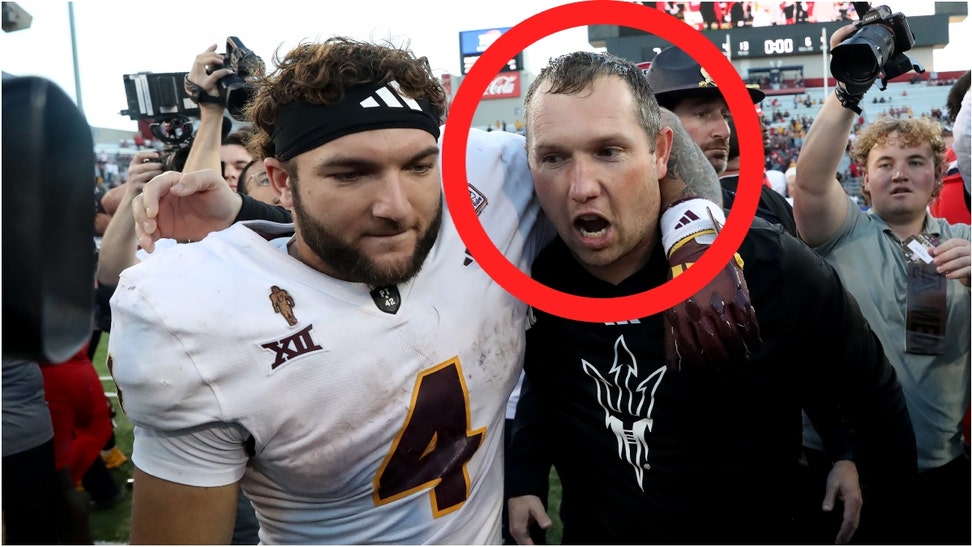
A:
<point x="648" y="455"/>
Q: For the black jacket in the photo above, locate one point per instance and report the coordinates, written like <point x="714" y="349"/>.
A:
<point x="772" y="206"/>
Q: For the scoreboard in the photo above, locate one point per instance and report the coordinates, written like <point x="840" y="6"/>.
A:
<point x="782" y="40"/>
<point x="753" y="42"/>
<point x="472" y="44"/>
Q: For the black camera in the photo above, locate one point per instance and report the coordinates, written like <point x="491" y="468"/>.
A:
<point x="156" y="96"/>
<point x="235" y="90"/>
<point x="876" y="48"/>
<point x="162" y="100"/>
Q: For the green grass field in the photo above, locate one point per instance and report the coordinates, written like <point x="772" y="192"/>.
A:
<point x="112" y="525"/>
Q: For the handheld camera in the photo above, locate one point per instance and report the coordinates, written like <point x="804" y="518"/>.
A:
<point x="161" y="99"/>
<point x="877" y="48"/>
<point x="235" y="90"/>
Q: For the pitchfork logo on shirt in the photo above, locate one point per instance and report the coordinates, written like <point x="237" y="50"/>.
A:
<point x="627" y="400"/>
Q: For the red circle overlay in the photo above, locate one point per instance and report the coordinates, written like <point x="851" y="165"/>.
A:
<point x="519" y="284"/>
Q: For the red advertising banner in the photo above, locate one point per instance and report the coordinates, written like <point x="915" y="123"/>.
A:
<point x="504" y="85"/>
<point x="447" y="84"/>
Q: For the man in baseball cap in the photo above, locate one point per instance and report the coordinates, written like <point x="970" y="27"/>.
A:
<point x="683" y="86"/>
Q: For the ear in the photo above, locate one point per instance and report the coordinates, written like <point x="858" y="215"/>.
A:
<point x="865" y="181"/>
<point x="663" y="149"/>
<point x="280" y="181"/>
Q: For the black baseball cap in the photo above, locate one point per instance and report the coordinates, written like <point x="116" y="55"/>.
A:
<point x="674" y="75"/>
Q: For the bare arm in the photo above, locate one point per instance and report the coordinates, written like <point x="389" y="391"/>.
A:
<point x="118" y="244"/>
<point x="111" y="199"/>
<point x="168" y="513"/>
<point x="690" y="175"/>
<point x="819" y="202"/>
<point x="204" y="153"/>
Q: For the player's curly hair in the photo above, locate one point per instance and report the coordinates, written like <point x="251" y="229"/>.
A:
<point x="910" y="132"/>
<point x="320" y="73"/>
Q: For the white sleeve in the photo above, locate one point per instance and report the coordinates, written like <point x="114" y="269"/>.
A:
<point x="501" y="187"/>
<point x="960" y="144"/>
<point x="213" y="456"/>
<point x="180" y="432"/>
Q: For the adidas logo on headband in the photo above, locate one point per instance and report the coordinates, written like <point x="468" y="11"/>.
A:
<point x="390" y="96"/>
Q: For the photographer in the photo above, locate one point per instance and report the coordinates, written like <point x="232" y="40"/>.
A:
<point x="118" y="244"/>
<point x="878" y="256"/>
<point x="210" y="150"/>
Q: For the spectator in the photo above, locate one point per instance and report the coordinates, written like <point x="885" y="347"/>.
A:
<point x="952" y="203"/>
<point x="40" y="504"/>
<point x="681" y="86"/>
<point x="233" y="156"/>
<point x="895" y="258"/>
<point x="254" y="182"/>
<point x="82" y="426"/>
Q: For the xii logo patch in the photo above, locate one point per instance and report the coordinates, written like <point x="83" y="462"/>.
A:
<point x="292" y="346"/>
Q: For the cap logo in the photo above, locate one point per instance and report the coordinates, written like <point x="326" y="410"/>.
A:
<point x="706" y="79"/>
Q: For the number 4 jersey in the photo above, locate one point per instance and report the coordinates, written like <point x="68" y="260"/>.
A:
<point x="352" y="415"/>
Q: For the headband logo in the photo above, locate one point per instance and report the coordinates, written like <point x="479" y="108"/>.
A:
<point x="390" y="95"/>
<point x="706" y="79"/>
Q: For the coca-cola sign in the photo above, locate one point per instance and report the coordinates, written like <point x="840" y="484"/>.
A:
<point x="503" y="86"/>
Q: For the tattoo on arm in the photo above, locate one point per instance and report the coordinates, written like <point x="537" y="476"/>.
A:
<point x="690" y="175"/>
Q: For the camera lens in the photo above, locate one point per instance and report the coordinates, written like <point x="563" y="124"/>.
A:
<point x="857" y="61"/>
<point x="857" y="64"/>
<point x="237" y="99"/>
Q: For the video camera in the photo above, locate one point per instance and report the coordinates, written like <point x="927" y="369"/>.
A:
<point x="236" y="89"/>
<point x="876" y="48"/>
<point x="161" y="98"/>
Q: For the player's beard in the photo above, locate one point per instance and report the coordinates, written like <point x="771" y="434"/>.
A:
<point x="349" y="263"/>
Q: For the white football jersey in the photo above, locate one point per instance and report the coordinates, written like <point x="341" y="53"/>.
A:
<point x="366" y="426"/>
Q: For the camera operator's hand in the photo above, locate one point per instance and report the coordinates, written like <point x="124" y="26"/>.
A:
<point x="201" y="81"/>
<point x="145" y="165"/>
<point x="842" y="34"/>
<point x="850" y="96"/>
<point x="184" y="206"/>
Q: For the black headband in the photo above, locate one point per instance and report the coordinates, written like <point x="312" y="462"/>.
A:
<point x="303" y="126"/>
